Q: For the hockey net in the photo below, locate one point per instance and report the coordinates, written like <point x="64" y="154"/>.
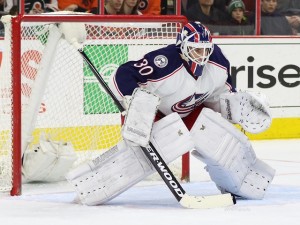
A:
<point x="59" y="96"/>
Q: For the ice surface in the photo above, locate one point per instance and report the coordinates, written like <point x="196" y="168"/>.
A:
<point x="151" y="203"/>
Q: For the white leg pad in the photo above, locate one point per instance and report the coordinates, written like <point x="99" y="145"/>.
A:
<point x="119" y="168"/>
<point x="109" y="174"/>
<point x="230" y="159"/>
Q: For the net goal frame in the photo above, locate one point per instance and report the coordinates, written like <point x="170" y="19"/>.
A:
<point x="12" y="139"/>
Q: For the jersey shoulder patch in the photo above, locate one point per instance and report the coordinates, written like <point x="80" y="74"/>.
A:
<point x="165" y="60"/>
<point x="160" y="61"/>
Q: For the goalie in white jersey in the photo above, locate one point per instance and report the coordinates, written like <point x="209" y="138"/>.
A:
<point x="189" y="83"/>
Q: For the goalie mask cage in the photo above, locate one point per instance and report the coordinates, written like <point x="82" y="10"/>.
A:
<point x="47" y="89"/>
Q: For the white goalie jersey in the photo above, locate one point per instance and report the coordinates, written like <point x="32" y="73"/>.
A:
<point x="180" y="86"/>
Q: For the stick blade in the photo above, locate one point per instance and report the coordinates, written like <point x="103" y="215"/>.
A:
<point x="207" y="202"/>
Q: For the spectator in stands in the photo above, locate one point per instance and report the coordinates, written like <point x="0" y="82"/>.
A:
<point x="2" y="12"/>
<point x="286" y="5"/>
<point x="291" y="10"/>
<point x="239" y="23"/>
<point x="90" y="6"/>
<point x="130" y="7"/>
<point x="272" y="22"/>
<point x="34" y="6"/>
<point x="14" y="10"/>
<point x="189" y="3"/>
<point x="221" y="4"/>
<point x="250" y="5"/>
<point x="150" y="7"/>
<point x="112" y="7"/>
<point x="183" y="6"/>
<point x="37" y="7"/>
<point x="236" y="10"/>
<point x="164" y="9"/>
<point x="2" y="5"/>
<point x="5" y="6"/>
<point x="51" y="5"/>
<point x="207" y="14"/>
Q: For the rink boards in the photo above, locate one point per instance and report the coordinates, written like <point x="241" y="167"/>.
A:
<point x="271" y="66"/>
<point x="268" y="65"/>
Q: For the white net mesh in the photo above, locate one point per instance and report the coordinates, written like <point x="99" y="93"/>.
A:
<point x="5" y="116"/>
<point x="60" y="95"/>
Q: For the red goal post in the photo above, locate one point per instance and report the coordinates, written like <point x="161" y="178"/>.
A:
<point x="46" y="89"/>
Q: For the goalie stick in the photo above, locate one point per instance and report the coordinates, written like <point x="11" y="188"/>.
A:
<point x="151" y="153"/>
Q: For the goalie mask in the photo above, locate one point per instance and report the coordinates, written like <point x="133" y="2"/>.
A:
<point x="195" y="43"/>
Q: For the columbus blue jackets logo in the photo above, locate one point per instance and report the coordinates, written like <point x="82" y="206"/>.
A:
<point x="189" y="104"/>
<point x="161" y="61"/>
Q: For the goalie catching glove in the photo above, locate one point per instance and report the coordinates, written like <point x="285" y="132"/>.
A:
<point x="140" y="116"/>
<point x="250" y="110"/>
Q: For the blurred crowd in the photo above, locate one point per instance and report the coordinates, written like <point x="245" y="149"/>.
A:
<point x="237" y="17"/>
<point x="223" y="17"/>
